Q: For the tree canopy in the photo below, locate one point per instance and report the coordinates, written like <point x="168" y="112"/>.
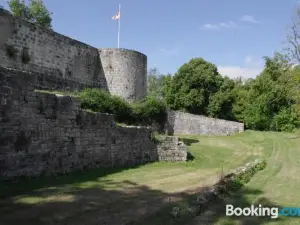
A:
<point x="35" y="12"/>
<point x="268" y="102"/>
<point x="192" y="86"/>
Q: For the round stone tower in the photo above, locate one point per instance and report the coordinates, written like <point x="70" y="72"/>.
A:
<point x="125" y="72"/>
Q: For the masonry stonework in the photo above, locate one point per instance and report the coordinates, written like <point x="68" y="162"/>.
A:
<point x="172" y="150"/>
<point x="186" y="123"/>
<point x="42" y="133"/>
<point x="125" y="72"/>
<point x="47" y="52"/>
<point x="122" y="72"/>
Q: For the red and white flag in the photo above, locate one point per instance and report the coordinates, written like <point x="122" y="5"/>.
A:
<point x="117" y="16"/>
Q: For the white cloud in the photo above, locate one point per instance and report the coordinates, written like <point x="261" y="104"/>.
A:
<point x="248" y="19"/>
<point x="252" y="68"/>
<point x="236" y="71"/>
<point x="229" y="24"/>
<point x="222" y="25"/>
<point x="209" y="26"/>
<point x="251" y="61"/>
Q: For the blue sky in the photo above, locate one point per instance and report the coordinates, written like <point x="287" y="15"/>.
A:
<point x="232" y="34"/>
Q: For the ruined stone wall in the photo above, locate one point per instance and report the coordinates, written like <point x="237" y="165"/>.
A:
<point x="47" y="81"/>
<point x="42" y="133"/>
<point x="26" y="46"/>
<point x="186" y="123"/>
<point x="171" y="150"/>
<point x="126" y="72"/>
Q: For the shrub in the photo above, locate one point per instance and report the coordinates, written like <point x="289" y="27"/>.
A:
<point x="149" y="111"/>
<point x="243" y="178"/>
<point x="285" y="120"/>
<point x="145" y="112"/>
<point x="99" y="100"/>
<point x="156" y="137"/>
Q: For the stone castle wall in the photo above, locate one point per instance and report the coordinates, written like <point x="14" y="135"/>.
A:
<point x="41" y="50"/>
<point x="42" y="133"/>
<point x="186" y="123"/>
<point x="126" y="72"/>
<point x="26" y="46"/>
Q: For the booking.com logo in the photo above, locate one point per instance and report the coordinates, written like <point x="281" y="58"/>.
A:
<point x="273" y="212"/>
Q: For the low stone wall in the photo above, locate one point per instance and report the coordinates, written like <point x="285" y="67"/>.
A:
<point x="186" y="123"/>
<point x="229" y="183"/>
<point x="42" y="133"/>
<point x="171" y="149"/>
<point x="46" y="134"/>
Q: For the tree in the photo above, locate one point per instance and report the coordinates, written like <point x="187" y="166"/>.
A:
<point x="286" y="120"/>
<point x="193" y="84"/>
<point x="268" y="102"/>
<point x="40" y="14"/>
<point x="35" y="12"/>
<point x="18" y="8"/>
<point x="156" y="83"/>
<point x="292" y="82"/>
<point x="266" y="97"/>
<point x="293" y="38"/>
<point x="220" y="103"/>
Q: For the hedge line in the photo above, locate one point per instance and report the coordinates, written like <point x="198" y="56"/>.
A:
<point x="144" y="112"/>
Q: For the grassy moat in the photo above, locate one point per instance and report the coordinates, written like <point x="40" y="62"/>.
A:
<point x="115" y="196"/>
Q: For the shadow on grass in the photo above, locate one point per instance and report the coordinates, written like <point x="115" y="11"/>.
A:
<point x="81" y="199"/>
<point x="189" y="157"/>
<point x="189" y="141"/>
<point x="215" y="212"/>
<point x="112" y="203"/>
<point x="26" y="185"/>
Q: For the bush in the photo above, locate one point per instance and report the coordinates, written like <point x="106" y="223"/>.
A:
<point x="243" y="178"/>
<point x="285" y="120"/>
<point x="99" y="100"/>
<point x="150" y="111"/>
<point x="145" y="112"/>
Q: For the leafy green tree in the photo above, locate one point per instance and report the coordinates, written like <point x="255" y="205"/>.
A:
<point x="292" y="82"/>
<point x="193" y="84"/>
<point x="35" y="12"/>
<point x="40" y="14"/>
<point x="268" y="102"/>
<point x="240" y="93"/>
<point x="266" y="96"/>
<point x="220" y="103"/>
<point x="156" y="83"/>
<point x="18" y="8"/>
<point x="286" y="120"/>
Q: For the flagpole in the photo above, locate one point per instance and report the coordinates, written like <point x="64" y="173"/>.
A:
<point x="119" y="25"/>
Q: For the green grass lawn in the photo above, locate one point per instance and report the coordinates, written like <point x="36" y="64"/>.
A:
<point x="277" y="185"/>
<point x="117" y="196"/>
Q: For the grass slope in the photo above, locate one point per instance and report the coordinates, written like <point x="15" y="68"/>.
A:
<point x="276" y="186"/>
<point x="116" y="196"/>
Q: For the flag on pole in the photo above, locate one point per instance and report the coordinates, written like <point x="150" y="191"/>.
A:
<point x="117" y="16"/>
